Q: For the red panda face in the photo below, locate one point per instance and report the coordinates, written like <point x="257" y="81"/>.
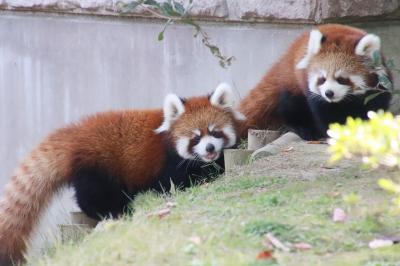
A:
<point x="202" y="127"/>
<point x="335" y="76"/>
<point x="342" y="67"/>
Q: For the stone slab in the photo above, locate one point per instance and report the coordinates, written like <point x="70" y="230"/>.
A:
<point x="307" y="11"/>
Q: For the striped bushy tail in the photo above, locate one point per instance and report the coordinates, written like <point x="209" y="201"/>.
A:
<point x="28" y="193"/>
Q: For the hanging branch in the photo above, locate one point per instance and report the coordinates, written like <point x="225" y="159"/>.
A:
<point x="173" y="11"/>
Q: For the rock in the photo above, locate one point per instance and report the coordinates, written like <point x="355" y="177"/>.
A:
<point x="256" y="139"/>
<point x="209" y="8"/>
<point x="331" y="9"/>
<point x="272" y="10"/>
<point x="278" y="145"/>
<point x="380" y="243"/>
<point x="78" y="217"/>
<point x="235" y="157"/>
<point x="232" y="10"/>
<point x="73" y="232"/>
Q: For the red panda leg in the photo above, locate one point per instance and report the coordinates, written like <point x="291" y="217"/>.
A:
<point x="297" y="116"/>
<point x="98" y="195"/>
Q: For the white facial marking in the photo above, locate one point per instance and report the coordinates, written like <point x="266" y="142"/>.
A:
<point x="182" y="147"/>
<point x="314" y="45"/>
<point x="313" y="79"/>
<point x="211" y="127"/>
<point x="331" y="84"/>
<point x="339" y="90"/>
<point x="340" y="73"/>
<point x="368" y="45"/>
<point x="359" y="85"/>
<point x="173" y="109"/>
<point x="201" y="148"/>
<point x="230" y="134"/>
<point x="197" y="132"/>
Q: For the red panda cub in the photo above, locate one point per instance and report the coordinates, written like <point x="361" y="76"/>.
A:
<point x="325" y="76"/>
<point x="110" y="157"/>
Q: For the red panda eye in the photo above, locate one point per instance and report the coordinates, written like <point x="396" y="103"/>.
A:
<point x="343" y="81"/>
<point x="217" y="134"/>
<point x="321" y="81"/>
<point x="196" y="140"/>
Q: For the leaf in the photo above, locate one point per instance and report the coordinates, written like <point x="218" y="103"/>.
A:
<point x="161" y="36"/>
<point x="170" y="204"/>
<point x="390" y="63"/>
<point x="151" y="3"/>
<point x="385" y="81"/>
<point x="339" y="215"/>
<point x="352" y="198"/>
<point x="178" y="7"/>
<point x="265" y="255"/>
<point x="195" y="239"/>
<point x="371" y="97"/>
<point x="389" y="185"/>
<point x="276" y="242"/>
<point x="130" y="6"/>
<point x="191" y="22"/>
<point x="302" y="246"/>
<point x="160" y="214"/>
<point x="316" y="142"/>
<point x="288" y="149"/>
<point x="167" y="9"/>
<point x="214" y="49"/>
<point x="376" y="58"/>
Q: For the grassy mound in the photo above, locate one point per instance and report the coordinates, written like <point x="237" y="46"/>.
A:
<point x="225" y="222"/>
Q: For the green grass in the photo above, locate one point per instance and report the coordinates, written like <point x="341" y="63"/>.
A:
<point x="225" y="222"/>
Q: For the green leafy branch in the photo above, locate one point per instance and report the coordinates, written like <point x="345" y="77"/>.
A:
<point x="173" y="11"/>
<point x="376" y="142"/>
<point x="383" y="78"/>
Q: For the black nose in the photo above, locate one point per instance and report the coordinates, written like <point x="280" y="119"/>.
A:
<point x="329" y="94"/>
<point x="210" y="147"/>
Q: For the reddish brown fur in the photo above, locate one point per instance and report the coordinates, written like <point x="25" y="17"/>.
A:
<point x="30" y="190"/>
<point x="115" y="140"/>
<point x="259" y="105"/>
<point x="123" y="143"/>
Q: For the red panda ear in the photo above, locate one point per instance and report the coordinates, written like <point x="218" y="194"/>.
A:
<point x="223" y="97"/>
<point x="368" y="45"/>
<point x="173" y="109"/>
<point x="314" y="45"/>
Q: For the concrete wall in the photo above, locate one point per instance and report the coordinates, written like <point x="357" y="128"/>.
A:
<point x="286" y="11"/>
<point x="54" y="69"/>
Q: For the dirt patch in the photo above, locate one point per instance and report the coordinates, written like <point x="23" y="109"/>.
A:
<point x="298" y="160"/>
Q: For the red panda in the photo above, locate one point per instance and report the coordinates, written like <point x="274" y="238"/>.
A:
<point x="325" y="76"/>
<point x="109" y="157"/>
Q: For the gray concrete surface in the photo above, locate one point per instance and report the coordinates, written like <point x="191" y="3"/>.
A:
<point x="286" y="11"/>
<point x="54" y="69"/>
